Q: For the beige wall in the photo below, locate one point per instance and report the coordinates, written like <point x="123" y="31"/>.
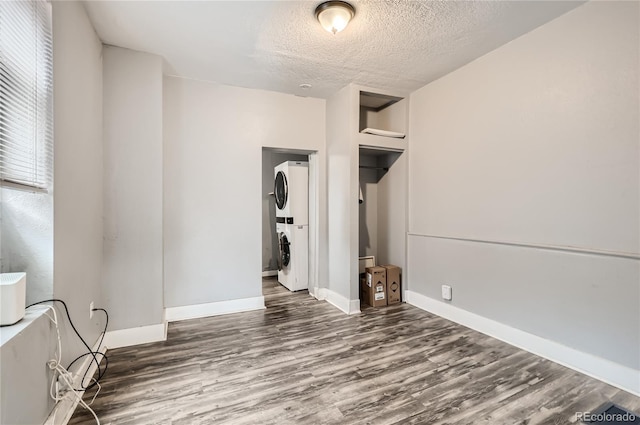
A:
<point x="213" y="139"/>
<point x="78" y="172"/>
<point x="133" y="156"/>
<point x="342" y="204"/>
<point x="536" y="143"/>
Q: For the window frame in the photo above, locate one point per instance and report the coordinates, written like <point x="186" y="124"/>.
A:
<point x="30" y="100"/>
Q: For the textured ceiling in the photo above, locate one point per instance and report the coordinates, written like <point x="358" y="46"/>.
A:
<point x="278" y="45"/>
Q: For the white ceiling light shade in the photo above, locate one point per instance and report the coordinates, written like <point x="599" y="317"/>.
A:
<point x="334" y="15"/>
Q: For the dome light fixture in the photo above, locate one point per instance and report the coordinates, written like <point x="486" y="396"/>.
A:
<point x="334" y="15"/>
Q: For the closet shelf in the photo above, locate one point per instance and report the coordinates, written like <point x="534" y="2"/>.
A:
<point x="384" y="133"/>
<point x="375" y="142"/>
<point x="370" y="167"/>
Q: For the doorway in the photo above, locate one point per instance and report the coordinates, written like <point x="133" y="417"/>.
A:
<point x="273" y="253"/>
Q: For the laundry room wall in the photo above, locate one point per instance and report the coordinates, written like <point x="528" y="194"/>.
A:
<point x="213" y="140"/>
<point x="524" y="188"/>
<point x="269" y="239"/>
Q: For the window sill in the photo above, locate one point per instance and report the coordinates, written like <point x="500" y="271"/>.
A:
<point x="7" y="333"/>
<point x="22" y="187"/>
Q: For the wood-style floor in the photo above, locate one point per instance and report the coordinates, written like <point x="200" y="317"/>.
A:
<point x="302" y="361"/>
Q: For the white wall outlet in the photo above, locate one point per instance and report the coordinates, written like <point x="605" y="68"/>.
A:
<point x="61" y="387"/>
<point x="446" y="292"/>
<point x="91" y="310"/>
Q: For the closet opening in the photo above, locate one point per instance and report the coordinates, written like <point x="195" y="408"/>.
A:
<point x="381" y="209"/>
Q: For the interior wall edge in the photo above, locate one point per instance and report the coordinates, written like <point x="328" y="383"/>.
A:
<point x="342" y="303"/>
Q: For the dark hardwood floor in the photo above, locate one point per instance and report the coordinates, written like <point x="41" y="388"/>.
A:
<point x="302" y="361"/>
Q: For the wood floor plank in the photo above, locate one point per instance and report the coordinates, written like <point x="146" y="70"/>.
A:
<point x="301" y="361"/>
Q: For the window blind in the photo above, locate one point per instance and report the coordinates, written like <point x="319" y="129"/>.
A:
<point x="26" y="93"/>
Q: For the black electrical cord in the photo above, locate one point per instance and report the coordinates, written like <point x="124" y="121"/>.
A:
<point x="101" y="373"/>
<point x="90" y="351"/>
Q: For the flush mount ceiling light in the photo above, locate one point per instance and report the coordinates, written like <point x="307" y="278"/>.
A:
<point x="334" y="15"/>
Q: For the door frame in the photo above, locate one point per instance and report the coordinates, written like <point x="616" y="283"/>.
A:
<point x="314" y="213"/>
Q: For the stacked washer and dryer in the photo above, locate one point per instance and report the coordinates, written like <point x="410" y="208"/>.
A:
<point x="292" y="223"/>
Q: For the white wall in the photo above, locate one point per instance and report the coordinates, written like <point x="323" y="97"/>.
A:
<point x="392" y="211"/>
<point x="213" y="139"/>
<point x="133" y="156"/>
<point x="536" y="143"/>
<point x="77" y="60"/>
<point x="342" y="195"/>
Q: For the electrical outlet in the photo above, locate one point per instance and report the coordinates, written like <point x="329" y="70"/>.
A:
<point x="91" y="310"/>
<point x="61" y="387"/>
<point x="446" y="292"/>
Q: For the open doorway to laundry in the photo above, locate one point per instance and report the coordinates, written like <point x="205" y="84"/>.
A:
<point x="289" y="222"/>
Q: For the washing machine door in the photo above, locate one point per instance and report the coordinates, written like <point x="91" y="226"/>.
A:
<point x="285" y="252"/>
<point x="281" y="190"/>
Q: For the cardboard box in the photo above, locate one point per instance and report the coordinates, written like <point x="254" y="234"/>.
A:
<point x="375" y="296"/>
<point x="374" y="287"/>
<point x="394" y="284"/>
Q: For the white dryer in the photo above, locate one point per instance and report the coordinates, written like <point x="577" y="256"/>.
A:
<point x="291" y="190"/>
<point x="293" y="258"/>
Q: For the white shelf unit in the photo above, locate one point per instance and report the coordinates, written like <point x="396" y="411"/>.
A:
<point x="348" y="112"/>
<point x="385" y="111"/>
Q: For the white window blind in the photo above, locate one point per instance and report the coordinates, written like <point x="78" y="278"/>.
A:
<point x="26" y="93"/>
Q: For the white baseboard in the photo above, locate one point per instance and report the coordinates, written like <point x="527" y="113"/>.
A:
<point x="620" y="376"/>
<point x="317" y="293"/>
<point x="268" y="273"/>
<point x="135" y="336"/>
<point x="63" y="410"/>
<point x="354" y="306"/>
<point x="173" y="314"/>
<point x="342" y="303"/>
<point x="321" y="293"/>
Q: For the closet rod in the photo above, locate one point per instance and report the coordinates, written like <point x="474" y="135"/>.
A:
<point x="374" y="168"/>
